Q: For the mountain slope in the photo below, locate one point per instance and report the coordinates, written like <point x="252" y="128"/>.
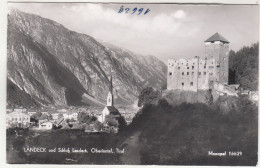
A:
<point x="148" y="70"/>
<point x="56" y="66"/>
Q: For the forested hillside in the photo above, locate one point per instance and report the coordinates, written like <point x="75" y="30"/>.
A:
<point x="184" y="134"/>
<point x="243" y="66"/>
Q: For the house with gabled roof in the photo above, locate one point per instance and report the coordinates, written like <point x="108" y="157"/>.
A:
<point x="46" y="125"/>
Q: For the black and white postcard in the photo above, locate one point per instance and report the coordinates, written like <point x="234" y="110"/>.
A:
<point x="132" y="83"/>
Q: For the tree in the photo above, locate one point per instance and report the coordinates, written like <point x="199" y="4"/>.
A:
<point x="86" y="118"/>
<point x="111" y="121"/>
<point x="36" y="116"/>
<point x="68" y="122"/>
<point x="243" y="67"/>
<point x="122" y="123"/>
<point x="164" y="86"/>
<point x="148" y="96"/>
<point x="98" y="125"/>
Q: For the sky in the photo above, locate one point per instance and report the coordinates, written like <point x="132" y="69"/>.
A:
<point x="166" y="31"/>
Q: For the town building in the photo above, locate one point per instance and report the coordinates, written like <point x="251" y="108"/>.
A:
<point x="46" y="125"/>
<point x="201" y="73"/>
<point x="56" y="116"/>
<point x="17" y="118"/>
<point x="70" y="115"/>
<point x="43" y="118"/>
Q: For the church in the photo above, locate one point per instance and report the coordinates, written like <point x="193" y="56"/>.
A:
<point x="109" y="108"/>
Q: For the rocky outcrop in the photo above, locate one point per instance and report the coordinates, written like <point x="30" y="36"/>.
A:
<point x="177" y="97"/>
<point x="221" y="97"/>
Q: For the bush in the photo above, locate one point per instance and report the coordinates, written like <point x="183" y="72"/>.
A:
<point x="148" y="96"/>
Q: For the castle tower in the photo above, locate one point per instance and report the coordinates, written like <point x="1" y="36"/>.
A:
<point x="110" y="97"/>
<point x="217" y="47"/>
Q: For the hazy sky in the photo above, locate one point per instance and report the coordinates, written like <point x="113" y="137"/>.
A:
<point x="167" y="31"/>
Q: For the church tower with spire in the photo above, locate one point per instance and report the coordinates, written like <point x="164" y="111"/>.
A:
<point x="110" y="96"/>
<point x="110" y="109"/>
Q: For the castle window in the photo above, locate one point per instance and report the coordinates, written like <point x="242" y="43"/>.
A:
<point x="182" y="84"/>
<point x="192" y="67"/>
<point x="188" y="67"/>
<point x="199" y="73"/>
<point x="178" y="67"/>
<point x="170" y="73"/>
<point x="212" y="63"/>
<point x="181" y="63"/>
<point x="182" y="73"/>
<point x="191" y="83"/>
<point x="204" y="67"/>
<point x="188" y="73"/>
<point x="204" y="73"/>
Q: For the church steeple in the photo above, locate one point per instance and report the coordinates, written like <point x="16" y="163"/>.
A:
<point x="110" y="97"/>
<point x="111" y="84"/>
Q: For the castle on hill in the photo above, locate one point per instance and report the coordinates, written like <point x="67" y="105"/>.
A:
<point x="201" y="74"/>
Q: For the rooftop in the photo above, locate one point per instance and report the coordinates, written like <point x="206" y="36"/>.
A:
<point x="217" y="37"/>
<point x="18" y="114"/>
<point x="111" y="109"/>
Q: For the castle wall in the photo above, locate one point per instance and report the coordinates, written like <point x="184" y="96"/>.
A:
<point x="207" y="73"/>
<point x="191" y="74"/>
<point x="182" y="74"/>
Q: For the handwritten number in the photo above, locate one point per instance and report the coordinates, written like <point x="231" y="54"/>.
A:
<point x="148" y="10"/>
<point x="134" y="10"/>
<point x="121" y="9"/>
<point x="127" y="9"/>
<point x="140" y="11"/>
